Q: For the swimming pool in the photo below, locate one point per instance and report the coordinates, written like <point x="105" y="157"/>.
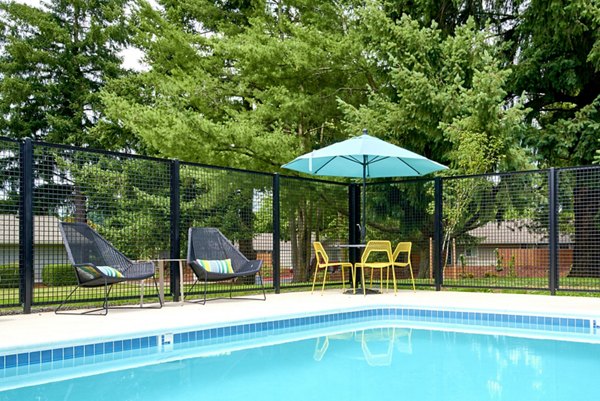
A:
<point x="383" y="353"/>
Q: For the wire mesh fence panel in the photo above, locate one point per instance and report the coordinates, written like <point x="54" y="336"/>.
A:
<point x="240" y="205"/>
<point x="579" y="229"/>
<point x="10" y="274"/>
<point x="496" y="228"/>
<point x="403" y="212"/>
<point x="125" y="199"/>
<point x="495" y="231"/>
<point x="312" y="211"/>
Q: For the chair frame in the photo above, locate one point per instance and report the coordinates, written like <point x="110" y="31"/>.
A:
<point x="242" y="267"/>
<point x="102" y="280"/>
<point x="403" y="247"/>
<point x="324" y="263"/>
<point x="375" y="246"/>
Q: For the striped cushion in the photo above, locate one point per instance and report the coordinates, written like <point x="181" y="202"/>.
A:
<point x="216" y="266"/>
<point x="89" y="273"/>
<point x="110" y="271"/>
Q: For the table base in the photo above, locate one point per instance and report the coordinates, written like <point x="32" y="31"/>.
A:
<point x="359" y="291"/>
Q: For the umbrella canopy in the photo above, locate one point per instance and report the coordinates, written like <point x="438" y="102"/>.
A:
<point x="364" y="157"/>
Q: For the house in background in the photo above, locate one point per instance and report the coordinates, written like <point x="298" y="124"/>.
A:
<point x="263" y="245"/>
<point x="48" y="246"/>
<point x="509" y="247"/>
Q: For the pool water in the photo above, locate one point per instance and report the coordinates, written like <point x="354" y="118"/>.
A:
<point x="387" y="363"/>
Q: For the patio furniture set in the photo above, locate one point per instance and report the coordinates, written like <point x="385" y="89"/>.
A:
<point x="212" y="257"/>
<point x="97" y="263"/>
<point x="377" y="255"/>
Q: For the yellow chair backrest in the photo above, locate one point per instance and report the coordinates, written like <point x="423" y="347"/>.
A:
<point x="377" y="246"/>
<point x="320" y="253"/>
<point x="402" y="247"/>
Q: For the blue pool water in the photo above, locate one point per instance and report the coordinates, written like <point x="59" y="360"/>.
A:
<point x="384" y="363"/>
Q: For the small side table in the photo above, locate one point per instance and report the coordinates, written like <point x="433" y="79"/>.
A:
<point x="161" y="278"/>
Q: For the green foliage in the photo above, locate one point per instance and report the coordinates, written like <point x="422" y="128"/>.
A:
<point x="252" y="99"/>
<point x="393" y="207"/>
<point x="479" y="85"/>
<point x="9" y="275"/>
<point x="558" y="75"/>
<point x="444" y="97"/>
<point x="58" y="275"/>
<point x="511" y="267"/>
<point x="482" y="86"/>
<point x="54" y="60"/>
<point x="499" y="260"/>
<point x="555" y="65"/>
<point x="127" y="199"/>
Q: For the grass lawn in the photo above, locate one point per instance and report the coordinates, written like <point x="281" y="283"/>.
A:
<point x="128" y="293"/>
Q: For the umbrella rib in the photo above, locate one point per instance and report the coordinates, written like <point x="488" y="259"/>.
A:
<point x="378" y="159"/>
<point x="352" y="159"/>
<point x="324" y="164"/>
<point x="409" y="166"/>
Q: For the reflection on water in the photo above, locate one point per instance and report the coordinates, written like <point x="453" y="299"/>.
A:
<point x="451" y="365"/>
<point x="377" y="345"/>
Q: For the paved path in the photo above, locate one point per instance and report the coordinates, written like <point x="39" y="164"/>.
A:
<point x="27" y="331"/>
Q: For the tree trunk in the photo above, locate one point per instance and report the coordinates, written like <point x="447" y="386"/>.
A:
<point x="301" y="243"/>
<point x="295" y="250"/>
<point x="79" y="200"/>
<point x="247" y="226"/>
<point x="423" y="267"/>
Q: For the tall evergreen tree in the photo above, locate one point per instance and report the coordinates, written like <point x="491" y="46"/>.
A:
<point x="53" y="62"/>
<point x="249" y="97"/>
<point x="553" y="48"/>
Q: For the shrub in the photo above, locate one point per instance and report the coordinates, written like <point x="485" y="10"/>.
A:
<point x="9" y="275"/>
<point x="511" y="267"/>
<point x="499" y="260"/>
<point x="59" y="274"/>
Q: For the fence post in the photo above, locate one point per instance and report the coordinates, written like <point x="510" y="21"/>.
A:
<point x="437" y="233"/>
<point x="553" y="230"/>
<point x="353" y="227"/>
<point x="26" y="226"/>
<point x="175" y="237"/>
<point x="353" y="220"/>
<point x="276" y="255"/>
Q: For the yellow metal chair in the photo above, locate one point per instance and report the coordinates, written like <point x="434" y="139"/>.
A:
<point x="373" y="250"/>
<point x="403" y="248"/>
<point x="324" y="263"/>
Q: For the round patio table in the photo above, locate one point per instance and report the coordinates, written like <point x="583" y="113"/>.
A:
<point x="359" y="247"/>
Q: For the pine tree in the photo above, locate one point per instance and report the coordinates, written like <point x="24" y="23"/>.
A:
<point x="53" y="62"/>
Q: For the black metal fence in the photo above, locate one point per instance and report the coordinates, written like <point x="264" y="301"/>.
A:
<point x="537" y="230"/>
<point x="401" y="212"/>
<point x="496" y="231"/>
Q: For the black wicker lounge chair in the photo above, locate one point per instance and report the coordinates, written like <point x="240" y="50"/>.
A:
<point x="97" y="263"/>
<point x="209" y="244"/>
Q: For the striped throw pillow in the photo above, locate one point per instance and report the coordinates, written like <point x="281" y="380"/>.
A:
<point x="110" y="271"/>
<point x="216" y="266"/>
<point x="89" y="273"/>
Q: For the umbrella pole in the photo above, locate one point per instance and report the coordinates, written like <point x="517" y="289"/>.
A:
<point x="363" y="231"/>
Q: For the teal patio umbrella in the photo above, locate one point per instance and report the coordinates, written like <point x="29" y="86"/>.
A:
<point x="364" y="157"/>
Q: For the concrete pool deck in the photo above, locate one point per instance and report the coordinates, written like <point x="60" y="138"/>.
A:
<point x="28" y="331"/>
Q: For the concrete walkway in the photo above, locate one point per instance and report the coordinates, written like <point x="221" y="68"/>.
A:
<point x="30" y="331"/>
